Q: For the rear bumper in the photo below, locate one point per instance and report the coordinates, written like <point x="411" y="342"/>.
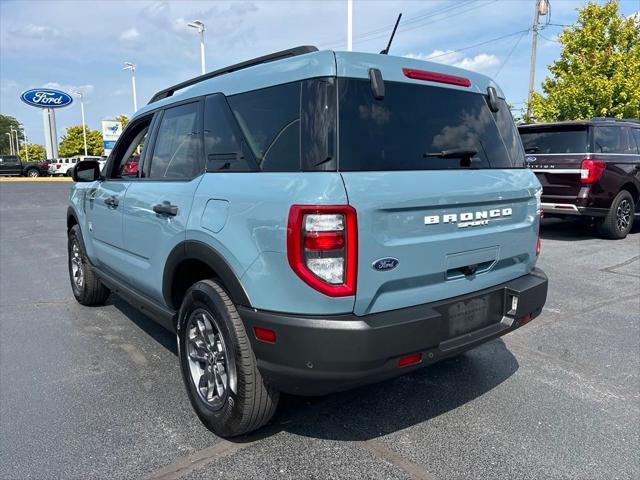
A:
<point x="315" y="355"/>
<point x="552" y="208"/>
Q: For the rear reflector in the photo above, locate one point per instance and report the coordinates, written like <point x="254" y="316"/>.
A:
<point x="526" y="319"/>
<point x="265" y="334"/>
<point x="436" y="77"/>
<point x="410" y="360"/>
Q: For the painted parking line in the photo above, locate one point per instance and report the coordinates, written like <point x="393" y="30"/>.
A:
<point x="36" y="179"/>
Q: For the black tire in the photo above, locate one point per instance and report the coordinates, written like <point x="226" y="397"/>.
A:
<point x="252" y="402"/>
<point x="90" y="291"/>
<point x="619" y="221"/>
<point x="32" y="172"/>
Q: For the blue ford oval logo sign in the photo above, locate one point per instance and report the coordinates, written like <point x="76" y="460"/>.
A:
<point x="388" y="263"/>
<point x="46" y="98"/>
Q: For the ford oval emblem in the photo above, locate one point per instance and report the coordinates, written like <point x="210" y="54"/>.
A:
<point x="383" y="264"/>
<point x="531" y="159"/>
<point x="46" y="98"/>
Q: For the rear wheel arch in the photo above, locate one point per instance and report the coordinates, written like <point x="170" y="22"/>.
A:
<point x="192" y="261"/>
<point x="633" y="190"/>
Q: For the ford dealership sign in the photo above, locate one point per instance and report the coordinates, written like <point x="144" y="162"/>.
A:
<point x="46" y="98"/>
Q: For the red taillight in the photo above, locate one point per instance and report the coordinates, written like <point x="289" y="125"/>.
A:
<point x="322" y="247"/>
<point x="436" y="77"/>
<point x="265" y="334"/>
<point x="410" y="360"/>
<point x="591" y="170"/>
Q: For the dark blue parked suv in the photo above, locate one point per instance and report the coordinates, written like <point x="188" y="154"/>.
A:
<point x="311" y="221"/>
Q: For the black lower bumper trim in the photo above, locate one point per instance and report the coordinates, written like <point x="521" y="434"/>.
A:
<point x="315" y="355"/>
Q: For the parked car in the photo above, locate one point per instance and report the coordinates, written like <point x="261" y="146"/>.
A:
<point x="311" y="221"/>
<point x="11" y="165"/>
<point x="588" y="169"/>
<point x="62" y="167"/>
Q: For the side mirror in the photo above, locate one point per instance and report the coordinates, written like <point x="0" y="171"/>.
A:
<point x="86" y="171"/>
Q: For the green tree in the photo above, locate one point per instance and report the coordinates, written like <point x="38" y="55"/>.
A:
<point x="72" y="144"/>
<point x="598" y="72"/>
<point x="122" y="119"/>
<point x="36" y="152"/>
<point x="6" y="122"/>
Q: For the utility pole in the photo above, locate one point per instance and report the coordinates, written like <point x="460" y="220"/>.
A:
<point x="542" y="8"/>
<point x="349" y="25"/>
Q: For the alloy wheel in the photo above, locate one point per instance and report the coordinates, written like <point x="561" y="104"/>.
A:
<point x="77" y="267"/>
<point x="623" y="215"/>
<point x="208" y="359"/>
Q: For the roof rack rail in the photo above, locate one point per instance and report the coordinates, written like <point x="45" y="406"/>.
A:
<point x="291" y="52"/>
<point x="611" y="119"/>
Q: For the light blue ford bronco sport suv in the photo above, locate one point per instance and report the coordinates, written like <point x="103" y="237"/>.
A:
<point x="311" y="221"/>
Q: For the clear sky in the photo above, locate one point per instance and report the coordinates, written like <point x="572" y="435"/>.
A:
<point x="83" y="44"/>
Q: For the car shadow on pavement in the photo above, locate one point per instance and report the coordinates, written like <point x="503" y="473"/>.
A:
<point x="160" y="334"/>
<point x="374" y="410"/>
<point x="574" y="230"/>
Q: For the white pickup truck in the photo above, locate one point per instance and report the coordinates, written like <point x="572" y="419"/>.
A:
<point x="64" y="166"/>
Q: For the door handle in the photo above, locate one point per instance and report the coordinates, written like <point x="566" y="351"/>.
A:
<point x="111" y="201"/>
<point x="165" y="208"/>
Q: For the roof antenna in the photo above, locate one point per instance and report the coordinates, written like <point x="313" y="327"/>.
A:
<point x="386" y="50"/>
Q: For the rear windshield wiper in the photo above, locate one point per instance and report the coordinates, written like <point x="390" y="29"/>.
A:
<point x="452" y="154"/>
<point x="531" y="149"/>
<point x="466" y="157"/>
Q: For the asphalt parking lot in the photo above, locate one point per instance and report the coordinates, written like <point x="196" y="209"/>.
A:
<point x="97" y="392"/>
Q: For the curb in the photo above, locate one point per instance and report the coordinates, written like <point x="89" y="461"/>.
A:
<point x="37" y="179"/>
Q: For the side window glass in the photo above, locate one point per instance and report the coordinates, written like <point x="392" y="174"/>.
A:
<point x="176" y="153"/>
<point x="267" y="118"/>
<point x="636" y="136"/>
<point x="224" y="147"/>
<point x="610" y="140"/>
<point x="129" y="149"/>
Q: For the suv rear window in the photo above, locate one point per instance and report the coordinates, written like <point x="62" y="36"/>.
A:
<point x="556" y="140"/>
<point x="411" y="127"/>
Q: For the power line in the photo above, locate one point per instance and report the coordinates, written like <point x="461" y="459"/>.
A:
<point x="549" y="39"/>
<point x="416" y="22"/>
<point x="448" y="52"/>
<point x="385" y="30"/>
<point x="506" y="60"/>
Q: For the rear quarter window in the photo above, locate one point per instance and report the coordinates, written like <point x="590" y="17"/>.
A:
<point x="270" y="122"/>
<point x="613" y="140"/>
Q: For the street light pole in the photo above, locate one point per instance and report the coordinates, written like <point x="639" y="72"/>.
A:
<point x="197" y="24"/>
<point x="16" y="145"/>
<point x="26" y="143"/>
<point x="10" y="143"/>
<point x="84" y="126"/>
<point x="132" y="67"/>
<point x="17" y="142"/>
